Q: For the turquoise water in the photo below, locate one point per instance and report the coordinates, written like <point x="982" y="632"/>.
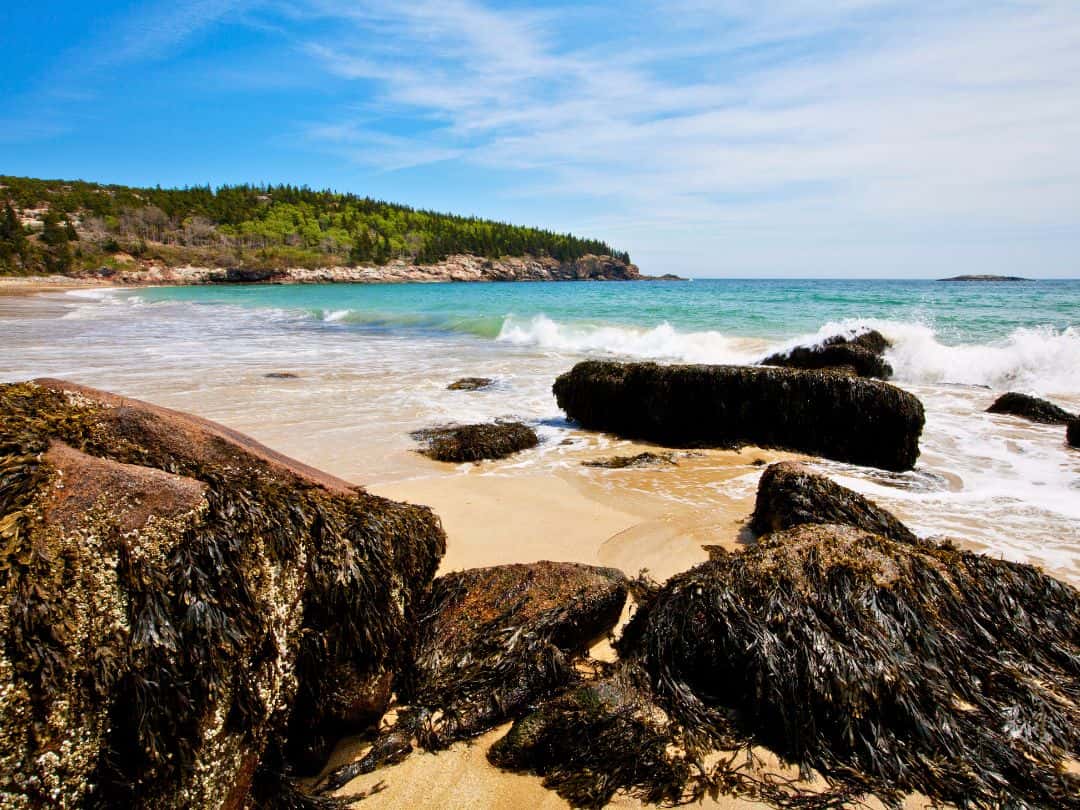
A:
<point x="958" y="312"/>
<point x="372" y="364"/>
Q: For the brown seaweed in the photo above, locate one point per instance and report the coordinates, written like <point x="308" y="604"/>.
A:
<point x="168" y="674"/>
<point x="851" y="419"/>
<point x="492" y="641"/>
<point x="646" y="459"/>
<point x="461" y="443"/>
<point x="790" y="495"/>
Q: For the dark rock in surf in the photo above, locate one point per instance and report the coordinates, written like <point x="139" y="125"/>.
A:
<point x="172" y="593"/>
<point x="845" y="418"/>
<point x="282" y="375"/>
<point x="470" y="384"/>
<point x="862" y="354"/>
<point x="790" y="495"/>
<point x="640" y="460"/>
<point x="460" y="443"/>
<point x="492" y="641"/>
<point x="1030" y="408"/>
<point x="1072" y="433"/>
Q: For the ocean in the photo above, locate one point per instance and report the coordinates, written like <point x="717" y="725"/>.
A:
<point x="373" y="363"/>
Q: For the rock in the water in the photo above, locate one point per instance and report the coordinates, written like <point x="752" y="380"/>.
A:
<point x="1072" y="433"/>
<point x="171" y="592"/>
<point x="492" y="641"/>
<point x="845" y="418"/>
<point x="640" y="460"/>
<point x="1031" y="408"/>
<point x="282" y="375"/>
<point x="894" y="667"/>
<point x="862" y="353"/>
<point x="790" y="495"/>
<point x="492" y="440"/>
<point x="470" y="384"/>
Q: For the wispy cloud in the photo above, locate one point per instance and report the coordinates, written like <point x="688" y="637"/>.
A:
<point x="890" y="115"/>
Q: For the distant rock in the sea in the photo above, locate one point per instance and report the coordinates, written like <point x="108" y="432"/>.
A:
<point x="862" y="354"/>
<point x="181" y="607"/>
<point x="984" y="278"/>
<point x="470" y="384"/>
<point x="665" y="277"/>
<point x="790" y="495"/>
<point x="1031" y="408"/>
<point x="491" y="440"/>
<point x="863" y="421"/>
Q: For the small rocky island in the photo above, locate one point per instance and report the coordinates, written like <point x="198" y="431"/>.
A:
<point x="984" y="278"/>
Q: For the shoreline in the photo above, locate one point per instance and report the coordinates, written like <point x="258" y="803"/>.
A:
<point x="133" y="272"/>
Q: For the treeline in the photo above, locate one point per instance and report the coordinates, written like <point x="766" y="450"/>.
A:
<point x="73" y="225"/>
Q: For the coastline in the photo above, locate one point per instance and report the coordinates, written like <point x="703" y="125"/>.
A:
<point x="133" y="272"/>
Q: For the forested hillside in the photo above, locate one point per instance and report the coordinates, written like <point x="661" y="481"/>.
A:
<point x="59" y="226"/>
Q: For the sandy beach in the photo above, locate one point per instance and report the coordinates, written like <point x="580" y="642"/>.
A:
<point x="350" y="414"/>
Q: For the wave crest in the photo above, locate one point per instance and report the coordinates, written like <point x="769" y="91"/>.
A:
<point x="1041" y="360"/>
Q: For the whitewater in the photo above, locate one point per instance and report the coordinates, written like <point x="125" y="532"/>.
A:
<point x="374" y="361"/>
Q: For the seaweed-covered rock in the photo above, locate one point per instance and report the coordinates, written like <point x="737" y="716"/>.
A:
<point x="850" y="419"/>
<point x="596" y="739"/>
<point x="470" y="384"/>
<point x="640" y="460"/>
<point x="494" y="440"/>
<point x="863" y="353"/>
<point x="170" y="593"/>
<point x="790" y="495"/>
<point x="1031" y="408"/>
<point x="492" y="641"/>
<point x="1072" y="433"/>
<point x="887" y="666"/>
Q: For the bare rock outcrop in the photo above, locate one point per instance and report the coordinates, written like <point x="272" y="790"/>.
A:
<point x="172" y="594"/>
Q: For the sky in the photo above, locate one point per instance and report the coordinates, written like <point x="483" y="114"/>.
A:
<point x="816" y="138"/>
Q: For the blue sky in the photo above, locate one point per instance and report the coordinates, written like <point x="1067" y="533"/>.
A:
<point x="730" y="138"/>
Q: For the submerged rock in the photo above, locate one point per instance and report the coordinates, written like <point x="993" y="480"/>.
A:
<point x="282" y="375"/>
<point x="1031" y="408"/>
<point x="640" y="460"/>
<point x="171" y="592"/>
<point x="470" y="384"/>
<point x="492" y="641"/>
<point x="492" y="440"/>
<point x="862" y="354"/>
<point x="849" y="419"/>
<point x="790" y="495"/>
